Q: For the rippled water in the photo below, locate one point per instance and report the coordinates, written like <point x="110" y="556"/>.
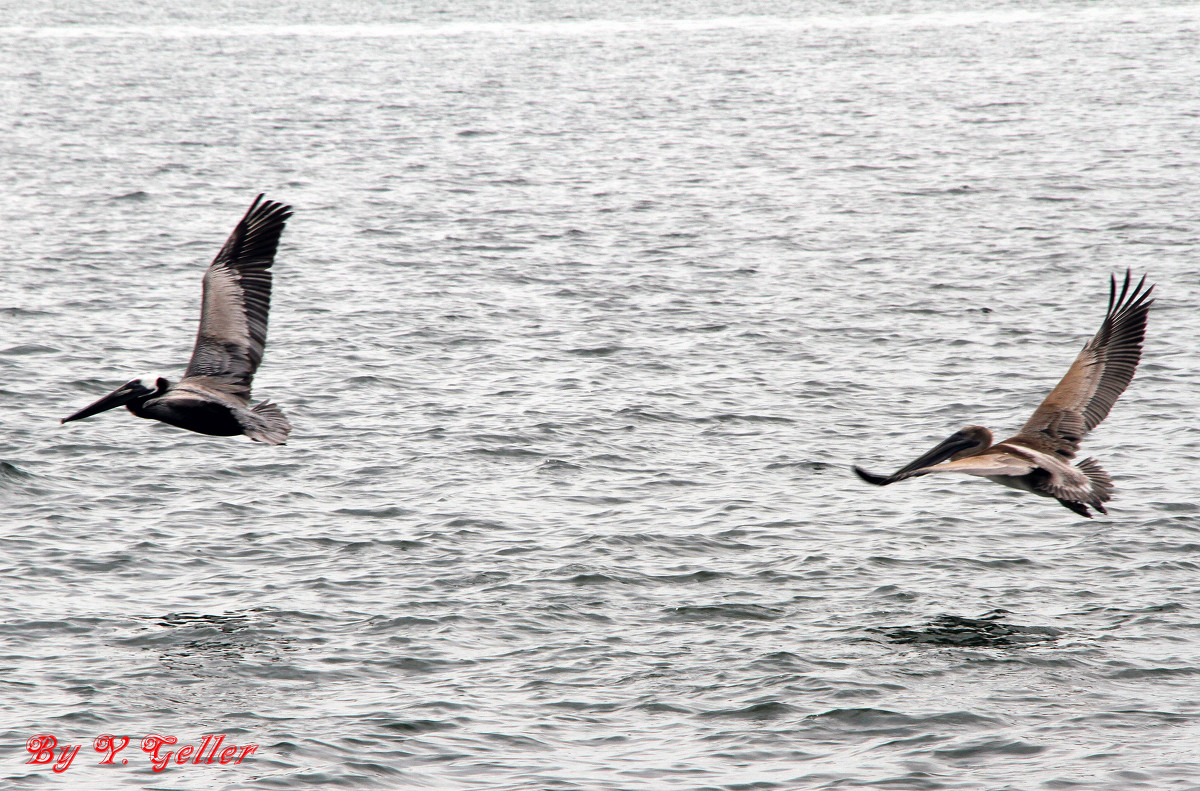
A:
<point x="581" y="319"/>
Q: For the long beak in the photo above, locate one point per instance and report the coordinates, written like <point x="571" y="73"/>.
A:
<point x="119" y="397"/>
<point x="948" y="447"/>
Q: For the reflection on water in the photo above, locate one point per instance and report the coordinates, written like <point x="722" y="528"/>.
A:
<point x="987" y="632"/>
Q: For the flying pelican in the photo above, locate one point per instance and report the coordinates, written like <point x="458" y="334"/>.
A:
<point x="1035" y="460"/>
<point x="213" y="397"/>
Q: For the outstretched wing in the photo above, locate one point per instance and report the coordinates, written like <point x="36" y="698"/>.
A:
<point x="994" y="463"/>
<point x="1098" y="376"/>
<point x="237" y="298"/>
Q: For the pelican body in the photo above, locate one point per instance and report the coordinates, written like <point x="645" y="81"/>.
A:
<point x="1037" y="458"/>
<point x="213" y="397"/>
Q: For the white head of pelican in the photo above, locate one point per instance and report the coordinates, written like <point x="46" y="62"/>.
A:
<point x="213" y="397"/>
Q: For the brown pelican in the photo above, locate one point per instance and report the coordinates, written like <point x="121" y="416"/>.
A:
<point x="1035" y="460"/>
<point x="213" y="397"/>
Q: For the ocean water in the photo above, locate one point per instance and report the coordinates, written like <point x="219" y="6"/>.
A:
<point x="582" y="318"/>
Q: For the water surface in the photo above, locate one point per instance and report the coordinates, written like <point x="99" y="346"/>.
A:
<point x="581" y="319"/>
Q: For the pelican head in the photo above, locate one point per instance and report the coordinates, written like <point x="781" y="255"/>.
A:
<point x="135" y="391"/>
<point x="968" y="441"/>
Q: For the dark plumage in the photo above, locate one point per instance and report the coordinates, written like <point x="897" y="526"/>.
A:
<point x="213" y="397"/>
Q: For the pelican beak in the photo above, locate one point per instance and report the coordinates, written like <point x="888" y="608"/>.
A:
<point x="955" y="443"/>
<point x="119" y="397"/>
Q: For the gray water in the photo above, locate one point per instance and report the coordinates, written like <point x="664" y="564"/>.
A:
<point x="581" y="319"/>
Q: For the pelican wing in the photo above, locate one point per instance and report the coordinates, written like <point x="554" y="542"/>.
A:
<point x="1098" y="376"/>
<point x="200" y="388"/>
<point x="237" y="298"/>
<point x="985" y="464"/>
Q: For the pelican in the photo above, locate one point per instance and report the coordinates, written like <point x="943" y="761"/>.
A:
<point x="213" y="397"/>
<point x="1036" y="459"/>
